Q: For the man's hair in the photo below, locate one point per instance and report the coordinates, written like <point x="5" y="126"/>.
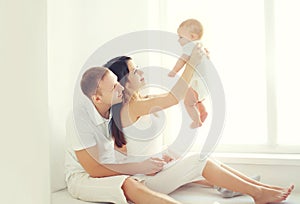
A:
<point x="193" y="26"/>
<point x="90" y="80"/>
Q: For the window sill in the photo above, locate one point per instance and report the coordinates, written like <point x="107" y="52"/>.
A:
<point x="259" y="159"/>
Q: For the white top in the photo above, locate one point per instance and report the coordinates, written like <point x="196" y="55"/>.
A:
<point x="87" y="128"/>
<point x="187" y="49"/>
<point x="144" y="137"/>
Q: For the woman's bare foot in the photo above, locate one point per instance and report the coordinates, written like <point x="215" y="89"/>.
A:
<point x="289" y="189"/>
<point x="267" y="195"/>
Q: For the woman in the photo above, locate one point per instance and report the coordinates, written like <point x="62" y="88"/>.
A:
<point x="188" y="169"/>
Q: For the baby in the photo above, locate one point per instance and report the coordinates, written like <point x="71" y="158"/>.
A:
<point x="189" y="32"/>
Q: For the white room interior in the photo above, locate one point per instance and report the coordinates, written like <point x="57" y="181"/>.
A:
<point x="44" y="45"/>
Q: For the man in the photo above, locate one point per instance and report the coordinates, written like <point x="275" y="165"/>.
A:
<point x="91" y="170"/>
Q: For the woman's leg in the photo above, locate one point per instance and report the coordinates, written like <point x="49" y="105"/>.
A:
<point x="204" y="183"/>
<point x="244" y="177"/>
<point x="222" y="177"/>
<point x="140" y="194"/>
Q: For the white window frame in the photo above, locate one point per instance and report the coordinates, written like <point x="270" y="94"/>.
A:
<point x="271" y="145"/>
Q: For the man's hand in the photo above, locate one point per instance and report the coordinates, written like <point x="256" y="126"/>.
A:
<point x="151" y="166"/>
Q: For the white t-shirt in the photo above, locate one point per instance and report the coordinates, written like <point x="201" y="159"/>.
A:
<point x="187" y="49"/>
<point x="87" y="128"/>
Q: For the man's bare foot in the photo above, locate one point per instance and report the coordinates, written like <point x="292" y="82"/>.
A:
<point x="268" y="195"/>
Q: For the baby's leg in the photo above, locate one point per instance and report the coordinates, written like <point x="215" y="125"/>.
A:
<point x="202" y="111"/>
<point x="190" y="102"/>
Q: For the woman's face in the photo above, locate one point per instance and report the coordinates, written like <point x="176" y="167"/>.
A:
<point x="135" y="76"/>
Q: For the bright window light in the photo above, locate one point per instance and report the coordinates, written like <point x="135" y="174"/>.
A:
<point x="288" y="70"/>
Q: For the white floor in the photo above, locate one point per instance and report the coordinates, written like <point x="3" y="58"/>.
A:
<point x="193" y="194"/>
<point x="189" y="194"/>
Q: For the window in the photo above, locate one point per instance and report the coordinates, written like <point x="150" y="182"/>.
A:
<point x="254" y="46"/>
<point x="287" y="43"/>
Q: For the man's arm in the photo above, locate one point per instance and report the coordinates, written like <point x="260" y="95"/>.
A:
<point x="87" y="158"/>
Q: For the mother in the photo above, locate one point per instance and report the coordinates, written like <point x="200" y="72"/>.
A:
<point x="188" y="169"/>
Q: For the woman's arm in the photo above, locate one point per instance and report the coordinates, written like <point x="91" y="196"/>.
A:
<point x="149" y="105"/>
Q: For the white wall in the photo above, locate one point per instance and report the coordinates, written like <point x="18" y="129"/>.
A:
<point x="75" y="30"/>
<point x="24" y="152"/>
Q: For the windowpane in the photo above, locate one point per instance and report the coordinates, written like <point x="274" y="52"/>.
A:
<point x="288" y="70"/>
<point x="235" y="38"/>
<point x="240" y="51"/>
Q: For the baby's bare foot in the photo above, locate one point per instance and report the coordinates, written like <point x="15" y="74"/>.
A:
<point x="203" y="116"/>
<point x="195" y="124"/>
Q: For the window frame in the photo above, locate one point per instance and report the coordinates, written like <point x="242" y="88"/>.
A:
<point x="271" y="146"/>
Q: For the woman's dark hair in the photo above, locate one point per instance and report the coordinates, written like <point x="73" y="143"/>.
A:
<point x="119" y="67"/>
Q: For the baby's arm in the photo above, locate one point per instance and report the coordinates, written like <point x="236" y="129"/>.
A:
<point x="179" y="64"/>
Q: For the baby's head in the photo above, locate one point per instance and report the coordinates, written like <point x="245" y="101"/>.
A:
<point x="190" y="29"/>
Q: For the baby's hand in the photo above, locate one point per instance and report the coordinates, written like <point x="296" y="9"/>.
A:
<point x="172" y="73"/>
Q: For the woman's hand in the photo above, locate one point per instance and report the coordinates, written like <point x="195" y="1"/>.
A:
<point x="151" y="166"/>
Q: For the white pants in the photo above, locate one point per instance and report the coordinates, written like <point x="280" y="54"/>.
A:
<point x="82" y="186"/>
<point x="185" y="170"/>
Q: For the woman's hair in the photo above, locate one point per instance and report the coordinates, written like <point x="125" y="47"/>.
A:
<point x="119" y="67"/>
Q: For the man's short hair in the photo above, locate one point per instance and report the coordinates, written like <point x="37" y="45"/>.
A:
<point x="90" y="80"/>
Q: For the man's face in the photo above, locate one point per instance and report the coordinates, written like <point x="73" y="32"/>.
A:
<point x="110" y="89"/>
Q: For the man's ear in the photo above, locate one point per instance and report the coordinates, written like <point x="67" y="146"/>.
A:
<point x="96" y="99"/>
